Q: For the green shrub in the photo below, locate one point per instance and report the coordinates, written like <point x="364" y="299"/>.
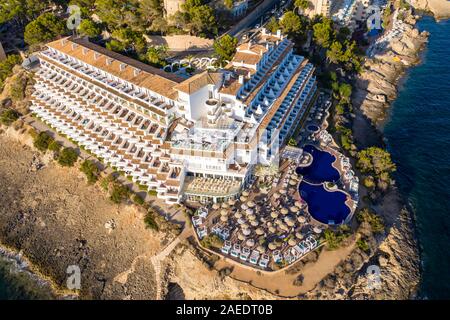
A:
<point x="42" y="141"/>
<point x="8" y="116"/>
<point x="212" y="240"/>
<point x="150" y="221"/>
<point x="137" y="199"/>
<point x="67" y="157"/>
<point x="363" y="245"/>
<point x="54" y="146"/>
<point x="152" y="193"/>
<point x="119" y="193"/>
<point x="90" y="169"/>
<point x="375" y="221"/>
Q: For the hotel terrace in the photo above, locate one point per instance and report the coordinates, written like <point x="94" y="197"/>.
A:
<point x="194" y="139"/>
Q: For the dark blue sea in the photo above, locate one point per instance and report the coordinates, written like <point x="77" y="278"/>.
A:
<point x="418" y="136"/>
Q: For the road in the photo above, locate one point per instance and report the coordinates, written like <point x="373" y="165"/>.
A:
<point x="259" y="16"/>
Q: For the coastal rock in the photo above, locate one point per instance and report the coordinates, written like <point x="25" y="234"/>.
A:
<point x="439" y="8"/>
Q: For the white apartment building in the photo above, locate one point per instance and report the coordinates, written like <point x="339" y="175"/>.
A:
<point x="194" y="139"/>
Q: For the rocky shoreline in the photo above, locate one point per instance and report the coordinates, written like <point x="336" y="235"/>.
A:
<point x="396" y="253"/>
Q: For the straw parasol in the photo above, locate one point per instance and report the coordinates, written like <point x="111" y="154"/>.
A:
<point x="292" y="242"/>
<point x="254" y="223"/>
<point x="272" y="246"/>
<point x="298" y="204"/>
<point x="245" y="193"/>
<point x="223" y="212"/>
<point x="250" y="243"/>
<point x="272" y="229"/>
<point x="292" y="182"/>
<point x="243" y="198"/>
<point x="231" y="202"/>
<point x="225" y="205"/>
<point x="249" y="211"/>
<point x="215" y="206"/>
<point x="251" y="204"/>
<point x="301" y="219"/>
<point x="241" y="220"/>
<point x="317" y="230"/>
<point x="241" y="237"/>
<point x="283" y="227"/>
<point x="251" y="217"/>
<point x="246" y="232"/>
<point x="259" y="231"/>
<point x="278" y="221"/>
<point x="276" y="195"/>
<point x="294" y="209"/>
<point x="261" y="249"/>
<point x="283" y="191"/>
<point x="244" y="226"/>
<point x="298" y="235"/>
<point x="284" y="211"/>
<point x="244" y="206"/>
<point x="238" y="215"/>
<point x="274" y="214"/>
<point x="224" y="218"/>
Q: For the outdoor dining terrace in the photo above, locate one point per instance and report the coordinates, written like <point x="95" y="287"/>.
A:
<point x="268" y="227"/>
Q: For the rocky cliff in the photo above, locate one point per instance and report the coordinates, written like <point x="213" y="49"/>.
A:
<point x="376" y="87"/>
<point x="439" y="8"/>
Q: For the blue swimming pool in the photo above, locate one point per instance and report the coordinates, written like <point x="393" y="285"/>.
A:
<point x="313" y="128"/>
<point x="324" y="206"/>
<point x="321" y="169"/>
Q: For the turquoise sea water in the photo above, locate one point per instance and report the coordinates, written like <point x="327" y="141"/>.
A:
<point x="418" y="136"/>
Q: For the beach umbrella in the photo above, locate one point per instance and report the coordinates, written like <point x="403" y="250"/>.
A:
<point x="241" y="237"/>
<point x="245" y="193"/>
<point x="276" y="195"/>
<point x="283" y="191"/>
<point x="241" y="221"/>
<point x="272" y="246"/>
<point x="251" y="204"/>
<point x="254" y="223"/>
<point x="259" y="231"/>
<point x="269" y="224"/>
<point x="292" y="182"/>
<point x="250" y="243"/>
<point x="274" y="214"/>
<point x="238" y="215"/>
<point x="294" y="209"/>
<point x="244" y="226"/>
<point x="244" y="206"/>
<point x="272" y="229"/>
<point x="292" y="242"/>
<point x="224" y="218"/>
<point x="284" y="211"/>
<point x="317" y="230"/>
<point x="261" y="249"/>
<point x="298" y="235"/>
<point x="243" y="198"/>
<point x="278" y="221"/>
<point x="301" y="219"/>
<point x="249" y="211"/>
<point x="225" y="205"/>
<point x="298" y="204"/>
<point x="215" y="206"/>
<point x="283" y="227"/>
<point x="251" y="217"/>
<point x="231" y="202"/>
<point x="223" y="212"/>
<point x="246" y="232"/>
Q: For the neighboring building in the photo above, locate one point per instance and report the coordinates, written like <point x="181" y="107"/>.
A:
<point x="351" y="13"/>
<point x="2" y="53"/>
<point x="321" y="7"/>
<point x="196" y="139"/>
<point x="239" y="8"/>
<point x="172" y="6"/>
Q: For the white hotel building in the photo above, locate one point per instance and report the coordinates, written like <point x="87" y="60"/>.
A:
<point x="193" y="139"/>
